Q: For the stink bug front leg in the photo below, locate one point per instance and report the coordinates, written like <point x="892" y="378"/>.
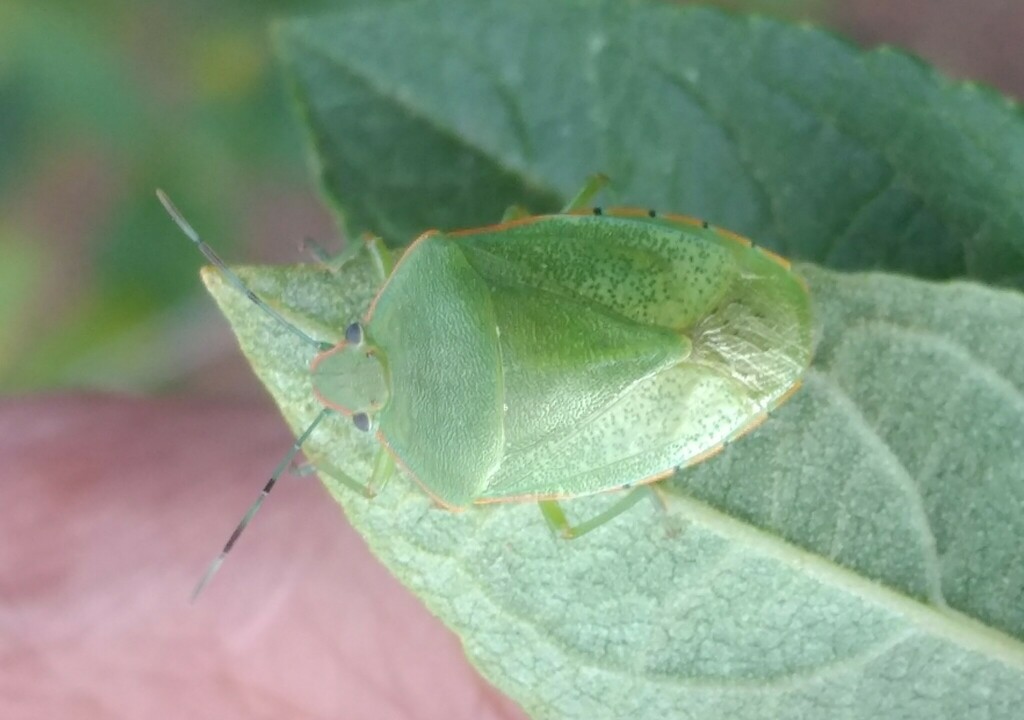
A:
<point x="561" y="526"/>
<point x="379" y="253"/>
<point x="514" y="212"/>
<point x="383" y="470"/>
<point x="318" y="251"/>
<point x="301" y="469"/>
<point x="316" y="464"/>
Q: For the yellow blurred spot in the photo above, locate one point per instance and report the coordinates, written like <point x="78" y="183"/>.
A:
<point x="20" y="281"/>
<point x="228" y="65"/>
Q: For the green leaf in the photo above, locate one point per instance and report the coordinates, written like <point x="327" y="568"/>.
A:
<point x="855" y="557"/>
<point x="858" y="556"/>
<point x="439" y="114"/>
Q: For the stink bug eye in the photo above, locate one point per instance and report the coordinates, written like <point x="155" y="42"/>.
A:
<point x="361" y="421"/>
<point x="354" y="334"/>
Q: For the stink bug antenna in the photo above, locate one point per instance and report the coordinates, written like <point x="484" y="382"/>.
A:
<point x="230" y="275"/>
<point x="255" y="507"/>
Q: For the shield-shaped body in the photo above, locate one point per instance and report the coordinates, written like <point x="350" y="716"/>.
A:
<point x="565" y="355"/>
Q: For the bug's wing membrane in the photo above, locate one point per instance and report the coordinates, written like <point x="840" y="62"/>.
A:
<point x="761" y="334"/>
<point x="435" y="323"/>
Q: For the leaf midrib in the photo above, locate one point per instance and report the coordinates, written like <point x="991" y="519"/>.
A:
<point x="945" y="622"/>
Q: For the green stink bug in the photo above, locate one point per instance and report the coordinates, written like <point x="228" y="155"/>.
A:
<point x="556" y="356"/>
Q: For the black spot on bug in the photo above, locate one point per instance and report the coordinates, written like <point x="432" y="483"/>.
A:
<point x="354" y="334"/>
<point x="704" y="224"/>
<point x="651" y="213"/>
<point x="361" y="421"/>
<point x="598" y="211"/>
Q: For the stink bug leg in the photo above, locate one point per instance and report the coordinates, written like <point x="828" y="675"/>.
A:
<point x="595" y="183"/>
<point x="515" y="212"/>
<point x="379" y="253"/>
<point x="316" y="464"/>
<point x="318" y="251"/>
<point x="592" y="187"/>
<point x="383" y="259"/>
<point x="561" y="526"/>
<point x="301" y="469"/>
<point x="383" y="470"/>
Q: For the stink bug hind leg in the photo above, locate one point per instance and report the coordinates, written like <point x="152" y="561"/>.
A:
<point x="561" y="526"/>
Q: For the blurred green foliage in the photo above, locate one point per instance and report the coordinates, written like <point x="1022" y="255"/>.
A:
<point x="100" y="103"/>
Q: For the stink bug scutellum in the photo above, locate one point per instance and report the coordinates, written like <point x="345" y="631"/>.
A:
<point x="555" y="356"/>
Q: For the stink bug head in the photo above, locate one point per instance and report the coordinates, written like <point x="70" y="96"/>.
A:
<point x="366" y="373"/>
<point x="351" y="379"/>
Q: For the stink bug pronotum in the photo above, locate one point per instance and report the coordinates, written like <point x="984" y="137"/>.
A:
<point x="555" y="356"/>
